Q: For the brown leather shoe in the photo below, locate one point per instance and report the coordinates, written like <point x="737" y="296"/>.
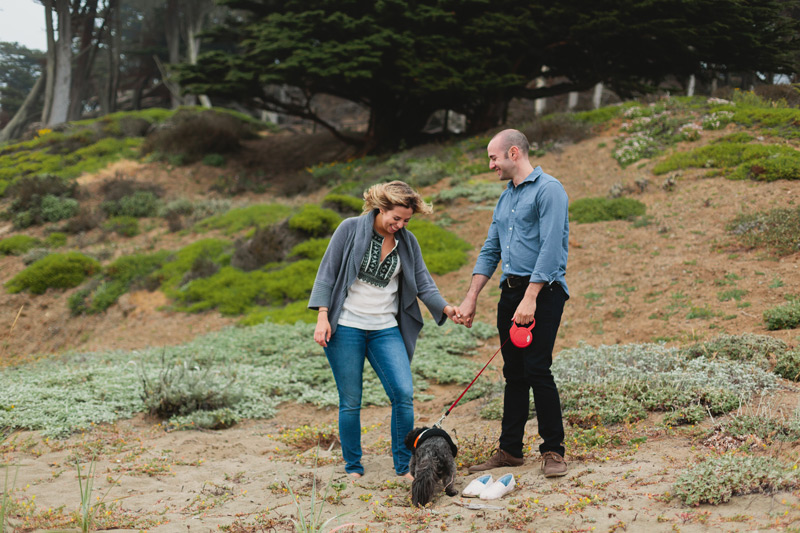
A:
<point x="500" y="458"/>
<point x="553" y="465"/>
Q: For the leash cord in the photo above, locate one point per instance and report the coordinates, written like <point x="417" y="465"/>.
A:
<point x="439" y="423"/>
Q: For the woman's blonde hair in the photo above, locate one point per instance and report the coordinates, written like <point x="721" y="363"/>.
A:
<point x="387" y="196"/>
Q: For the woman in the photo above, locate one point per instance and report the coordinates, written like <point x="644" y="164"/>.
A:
<point x="366" y="294"/>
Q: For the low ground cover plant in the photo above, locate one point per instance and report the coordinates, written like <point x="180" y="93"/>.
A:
<point x="716" y="479"/>
<point x="238" y="219"/>
<point x="612" y="384"/>
<point x="786" y="316"/>
<point x="775" y="230"/>
<point x="587" y="210"/>
<point x="281" y="363"/>
<point x="761" y="350"/>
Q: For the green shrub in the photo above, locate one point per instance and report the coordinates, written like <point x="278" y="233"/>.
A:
<point x="761" y="350"/>
<point x="122" y="225"/>
<point x="786" y="316"/>
<point x="171" y="274"/>
<point x="763" y="427"/>
<point x="314" y="220"/>
<point x="214" y="160"/>
<point x="739" y="137"/>
<point x="442" y="250"/>
<point x="600" y="115"/>
<point x="587" y="210"/>
<point x="777" y="167"/>
<point x="190" y="135"/>
<point x="184" y="387"/>
<point x="310" y="249"/>
<point x="717" y="479"/>
<point x="289" y="314"/>
<point x="775" y="230"/>
<point x="55" y="208"/>
<point x="56" y="240"/>
<point x="59" y="271"/>
<point x="18" y="244"/>
<point x="236" y="220"/>
<point x="475" y="191"/>
<point x="788" y="365"/>
<point x="344" y="204"/>
<point x="687" y="415"/>
<point x="140" y="204"/>
<point x="216" y="419"/>
<point x="729" y="155"/>
<point x="119" y="277"/>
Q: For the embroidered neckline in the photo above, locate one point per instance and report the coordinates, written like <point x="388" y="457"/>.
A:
<point x="373" y="270"/>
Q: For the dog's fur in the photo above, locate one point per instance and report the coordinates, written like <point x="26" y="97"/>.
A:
<point x="430" y="462"/>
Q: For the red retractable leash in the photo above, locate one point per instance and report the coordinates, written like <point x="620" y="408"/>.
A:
<point x="519" y="336"/>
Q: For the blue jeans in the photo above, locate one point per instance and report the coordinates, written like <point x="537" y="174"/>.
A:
<point x="386" y="352"/>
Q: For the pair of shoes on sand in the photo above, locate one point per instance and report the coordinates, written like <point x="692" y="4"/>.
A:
<point x="487" y="488"/>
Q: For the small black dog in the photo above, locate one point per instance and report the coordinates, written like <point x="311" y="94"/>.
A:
<point x="433" y="459"/>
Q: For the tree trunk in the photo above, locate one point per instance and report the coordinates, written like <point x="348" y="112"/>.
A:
<point x="172" y="33"/>
<point x="196" y="13"/>
<point x="489" y="115"/>
<point x="51" y="61"/>
<point x="20" y="119"/>
<point x="63" y="71"/>
<point x="83" y="60"/>
<point x="115" y="37"/>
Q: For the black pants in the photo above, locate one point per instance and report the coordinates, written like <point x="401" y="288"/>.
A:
<point x="528" y="369"/>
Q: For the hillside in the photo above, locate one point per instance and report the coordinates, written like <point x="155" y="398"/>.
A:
<point x="676" y="276"/>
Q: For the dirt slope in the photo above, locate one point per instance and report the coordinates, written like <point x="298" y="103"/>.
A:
<point x="627" y="284"/>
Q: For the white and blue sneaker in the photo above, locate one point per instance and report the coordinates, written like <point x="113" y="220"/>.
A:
<point x="499" y="488"/>
<point x="477" y="486"/>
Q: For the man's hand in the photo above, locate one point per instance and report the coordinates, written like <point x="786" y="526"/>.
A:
<point x="466" y="312"/>
<point x="527" y="307"/>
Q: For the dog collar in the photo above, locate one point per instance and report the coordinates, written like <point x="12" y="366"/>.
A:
<point x="436" y="432"/>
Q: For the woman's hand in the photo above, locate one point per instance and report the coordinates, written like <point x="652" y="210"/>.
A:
<point x="322" y="333"/>
<point x="453" y="314"/>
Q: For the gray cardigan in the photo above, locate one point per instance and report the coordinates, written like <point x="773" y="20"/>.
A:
<point x="339" y="268"/>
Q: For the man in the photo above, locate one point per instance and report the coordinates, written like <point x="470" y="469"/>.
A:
<point x="528" y="235"/>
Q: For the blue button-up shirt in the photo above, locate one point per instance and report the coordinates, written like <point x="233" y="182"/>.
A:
<point x="529" y="234"/>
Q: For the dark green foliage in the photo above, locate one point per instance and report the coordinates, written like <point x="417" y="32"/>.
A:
<point x="739" y="137"/>
<point x="586" y="210"/>
<point x="39" y="199"/>
<point x="786" y="316"/>
<point x="763" y="162"/>
<point x="18" y="244"/>
<point x="214" y="160"/>
<point x="125" y="226"/>
<point x="775" y="230"/>
<point x="19" y="68"/>
<point x="315" y="221"/>
<point x="289" y="314"/>
<point x="181" y="388"/>
<point x="344" y="204"/>
<point x="780" y="167"/>
<point x="55" y="208"/>
<point x="190" y="136"/>
<point x="442" y="250"/>
<point x="267" y="245"/>
<point x="409" y="59"/>
<point x="139" y="204"/>
<point x="788" y="365"/>
<point x="761" y="350"/>
<point x="59" y="271"/>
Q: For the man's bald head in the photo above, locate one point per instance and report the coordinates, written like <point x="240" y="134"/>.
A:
<point x="508" y="138"/>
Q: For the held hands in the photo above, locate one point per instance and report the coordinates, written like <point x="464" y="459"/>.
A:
<point x="465" y="313"/>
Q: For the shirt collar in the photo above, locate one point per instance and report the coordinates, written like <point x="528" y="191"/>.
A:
<point x="533" y="176"/>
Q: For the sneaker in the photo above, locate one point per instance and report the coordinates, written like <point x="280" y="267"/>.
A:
<point x="477" y="485"/>
<point x="499" y="488"/>
<point x="553" y="465"/>
<point x="500" y="458"/>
